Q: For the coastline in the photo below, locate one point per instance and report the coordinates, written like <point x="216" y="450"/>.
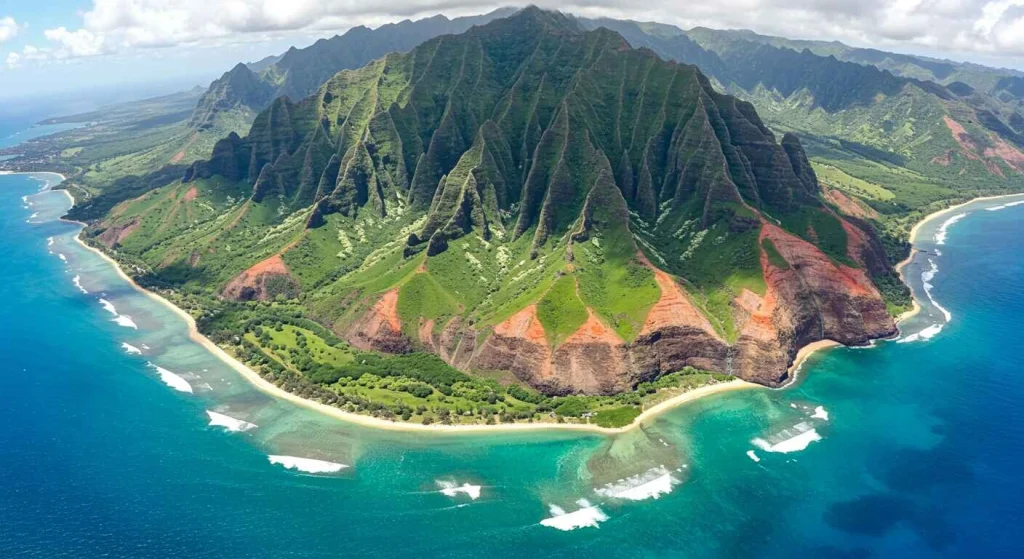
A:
<point x="806" y="351"/>
<point x="912" y="238"/>
<point x="802" y="354"/>
<point x="272" y="390"/>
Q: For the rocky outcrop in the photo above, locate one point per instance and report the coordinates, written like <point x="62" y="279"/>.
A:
<point x="262" y="282"/>
<point x="380" y="329"/>
<point x="113" y="236"/>
<point x="811" y="298"/>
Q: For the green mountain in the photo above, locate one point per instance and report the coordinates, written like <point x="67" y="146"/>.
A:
<point x="885" y="147"/>
<point x="528" y="201"/>
<point x="944" y="72"/>
<point x="245" y="90"/>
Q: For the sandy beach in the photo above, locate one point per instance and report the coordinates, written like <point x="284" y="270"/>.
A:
<point x="913" y="238"/>
<point x="367" y="421"/>
<point x="803" y="353"/>
<point x="269" y="388"/>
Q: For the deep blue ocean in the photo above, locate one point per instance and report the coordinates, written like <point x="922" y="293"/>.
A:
<point x="912" y="448"/>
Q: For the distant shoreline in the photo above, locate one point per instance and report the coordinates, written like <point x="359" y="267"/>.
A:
<point x="912" y="238"/>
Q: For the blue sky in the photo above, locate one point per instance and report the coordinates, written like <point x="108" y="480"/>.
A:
<point x="63" y="45"/>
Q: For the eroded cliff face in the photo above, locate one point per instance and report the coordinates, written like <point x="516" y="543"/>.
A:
<point x="380" y="329"/>
<point x="811" y="298"/>
<point x="262" y="282"/>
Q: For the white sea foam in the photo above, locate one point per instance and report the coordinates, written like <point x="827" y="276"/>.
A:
<point x="126" y="321"/>
<point x="31" y="217"/>
<point x="649" y="485"/>
<point x="820" y="413"/>
<point x="62" y="257"/>
<point x="130" y="349"/>
<point x="108" y="306"/>
<point x="940" y="235"/>
<point x="926" y="277"/>
<point x="49" y="241"/>
<point x="453" y="489"/>
<point x="1004" y="206"/>
<point x="308" y="465"/>
<point x="924" y="335"/>
<point x="587" y="516"/>
<point x="753" y="456"/>
<point x="230" y="423"/>
<point x="174" y="380"/>
<point x="77" y="280"/>
<point x="794" y="439"/>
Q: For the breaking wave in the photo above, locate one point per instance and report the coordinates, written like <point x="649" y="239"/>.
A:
<point x="308" y="465"/>
<point x="174" y="380"/>
<point x="130" y="349"/>
<point x="926" y="277"/>
<point x="453" y="489"/>
<point x="77" y="280"/>
<point x="651" y="484"/>
<point x="126" y="321"/>
<point x="230" y="423"/>
<point x="120" y="319"/>
<point x="108" y="306"/>
<point x="753" y="456"/>
<point x="1004" y="206"/>
<point x="924" y="335"/>
<point x="940" y="235"/>
<point x="587" y="516"/>
<point x="62" y="257"/>
<point x="794" y="439"/>
<point x="820" y="413"/>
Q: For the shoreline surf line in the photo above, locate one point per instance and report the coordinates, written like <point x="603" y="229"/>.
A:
<point x="806" y="351"/>
<point x="265" y="386"/>
<point x="912" y="238"/>
<point x="273" y="390"/>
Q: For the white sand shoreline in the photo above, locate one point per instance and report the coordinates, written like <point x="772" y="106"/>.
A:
<point x="913" y="239"/>
<point x="270" y="389"/>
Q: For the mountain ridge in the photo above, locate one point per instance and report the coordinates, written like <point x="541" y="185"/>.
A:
<point x="491" y="198"/>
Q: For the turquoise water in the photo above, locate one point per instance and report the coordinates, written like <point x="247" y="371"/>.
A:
<point x="918" y="457"/>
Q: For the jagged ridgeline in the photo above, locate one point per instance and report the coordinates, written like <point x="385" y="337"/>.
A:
<point x="534" y="198"/>
<point x="521" y="117"/>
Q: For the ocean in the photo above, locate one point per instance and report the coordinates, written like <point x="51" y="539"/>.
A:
<point x="120" y="437"/>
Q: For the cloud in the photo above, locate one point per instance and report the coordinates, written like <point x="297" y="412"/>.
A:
<point x="8" y="29"/>
<point x="988" y="27"/>
<point x="75" y="44"/>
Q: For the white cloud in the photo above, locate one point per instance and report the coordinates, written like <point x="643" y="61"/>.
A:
<point x="8" y="28"/>
<point x="75" y="44"/>
<point x="28" y="54"/>
<point x="984" y="27"/>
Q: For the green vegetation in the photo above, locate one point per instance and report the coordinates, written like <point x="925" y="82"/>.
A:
<point x="616" y="417"/>
<point x="822" y="228"/>
<point x="522" y="162"/>
<point x="301" y="356"/>
<point x="422" y="297"/>
<point x="560" y="311"/>
<point x="774" y="258"/>
<point x="837" y="178"/>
